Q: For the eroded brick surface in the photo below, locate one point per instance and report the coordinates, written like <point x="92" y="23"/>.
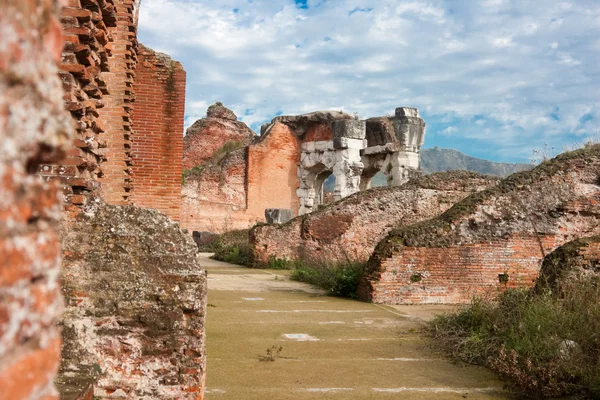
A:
<point x="352" y="227"/>
<point x="34" y="129"/>
<point x="491" y="240"/>
<point x="136" y="302"/>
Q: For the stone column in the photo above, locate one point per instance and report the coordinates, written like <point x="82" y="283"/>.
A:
<point x="409" y="129"/>
<point x="348" y="141"/>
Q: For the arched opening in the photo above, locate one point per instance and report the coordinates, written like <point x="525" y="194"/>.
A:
<point x="324" y="184"/>
<point x="372" y="178"/>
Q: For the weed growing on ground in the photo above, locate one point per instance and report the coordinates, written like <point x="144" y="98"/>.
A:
<point x="339" y="279"/>
<point x="273" y="353"/>
<point x="546" y="345"/>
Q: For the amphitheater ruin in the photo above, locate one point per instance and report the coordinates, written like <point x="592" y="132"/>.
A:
<point x="97" y="224"/>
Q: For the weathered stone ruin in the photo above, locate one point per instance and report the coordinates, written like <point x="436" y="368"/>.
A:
<point x="134" y="320"/>
<point x="570" y="264"/>
<point x="491" y="240"/>
<point x="351" y="228"/>
<point x="286" y="167"/>
<point x="34" y="128"/>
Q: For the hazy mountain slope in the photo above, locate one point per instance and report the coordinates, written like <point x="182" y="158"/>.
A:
<point x="437" y="160"/>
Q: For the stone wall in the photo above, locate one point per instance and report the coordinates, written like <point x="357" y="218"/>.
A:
<point x="158" y="149"/>
<point x="491" y="240"/>
<point x="34" y="130"/>
<point x="136" y="301"/>
<point x="352" y="227"/>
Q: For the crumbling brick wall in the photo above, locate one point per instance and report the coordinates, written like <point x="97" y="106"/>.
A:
<point x="34" y="129"/>
<point x="491" y="240"/>
<point x="84" y="61"/>
<point x="214" y="196"/>
<point x="159" y="116"/>
<point x="570" y="264"/>
<point x="209" y="135"/>
<point x="352" y="227"/>
<point x="136" y="302"/>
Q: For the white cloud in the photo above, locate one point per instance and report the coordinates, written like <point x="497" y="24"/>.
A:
<point x="497" y="61"/>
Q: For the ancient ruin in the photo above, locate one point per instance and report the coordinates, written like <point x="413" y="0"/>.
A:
<point x="492" y="239"/>
<point x="351" y="228"/>
<point x="34" y="128"/>
<point x="286" y="167"/>
<point x="121" y="146"/>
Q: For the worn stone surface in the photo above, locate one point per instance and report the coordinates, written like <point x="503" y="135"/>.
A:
<point x="573" y="262"/>
<point x="136" y="301"/>
<point x="157" y="152"/>
<point x="278" y="215"/>
<point x="208" y="135"/>
<point x="491" y="240"/>
<point x="352" y="227"/>
<point x="34" y="129"/>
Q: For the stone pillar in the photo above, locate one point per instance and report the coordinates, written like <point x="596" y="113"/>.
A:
<point x="409" y="129"/>
<point x="348" y="141"/>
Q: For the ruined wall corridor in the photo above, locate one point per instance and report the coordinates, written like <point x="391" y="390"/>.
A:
<point x="332" y="347"/>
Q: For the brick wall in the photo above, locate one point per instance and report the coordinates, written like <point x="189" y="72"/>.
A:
<point x="351" y="228"/>
<point x="273" y="171"/>
<point x="84" y="60"/>
<point x="115" y="117"/>
<point x="492" y="239"/>
<point x="214" y="199"/>
<point x="159" y="117"/>
<point x="34" y="129"/>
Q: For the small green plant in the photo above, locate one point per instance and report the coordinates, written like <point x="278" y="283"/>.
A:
<point x="339" y="279"/>
<point x="273" y="353"/>
<point x="416" y="278"/>
<point x="232" y="247"/>
<point x="279" y="263"/>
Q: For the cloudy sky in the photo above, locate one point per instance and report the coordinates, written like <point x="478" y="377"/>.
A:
<point x="492" y="78"/>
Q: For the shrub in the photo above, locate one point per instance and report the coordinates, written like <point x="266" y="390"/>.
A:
<point x="279" y="263"/>
<point x="233" y="247"/>
<point x="546" y="345"/>
<point x="339" y="279"/>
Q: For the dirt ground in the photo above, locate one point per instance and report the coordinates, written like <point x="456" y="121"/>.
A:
<point x="272" y="338"/>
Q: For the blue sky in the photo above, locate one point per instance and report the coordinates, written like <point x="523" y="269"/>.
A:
<point x="492" y="78"/>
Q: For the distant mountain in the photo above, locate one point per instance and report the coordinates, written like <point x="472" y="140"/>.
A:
<point x="438" y="160"/>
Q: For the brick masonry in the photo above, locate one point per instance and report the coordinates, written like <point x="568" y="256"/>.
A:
<point x="351" y="228"/>
<point x="491" y="240"/>
<point x="235" y="193"/>
<point x="35" y="130"/>
<point x="85" y="58"/>
<point x="116" y="116"/>
<point x="158" y="148"/>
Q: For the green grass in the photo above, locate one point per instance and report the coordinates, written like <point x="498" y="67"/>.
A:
<point x="339" y="279"/>
<point x="232" y="247"/>
<point x="544" y="344"/>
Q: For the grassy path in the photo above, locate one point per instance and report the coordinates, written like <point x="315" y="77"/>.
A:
<point x="330" y="348"/>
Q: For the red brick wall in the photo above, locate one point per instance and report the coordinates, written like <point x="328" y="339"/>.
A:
<point x="507" y="229"/>
<point x="34" y="129"/>
<point x="159" y="116"/>
<point x="273" y="171"/>
<point x="115" y="117"/>
<point x="356" y="224"/>
<point x="84" y="59"/>
<point x="456" y="274"/>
